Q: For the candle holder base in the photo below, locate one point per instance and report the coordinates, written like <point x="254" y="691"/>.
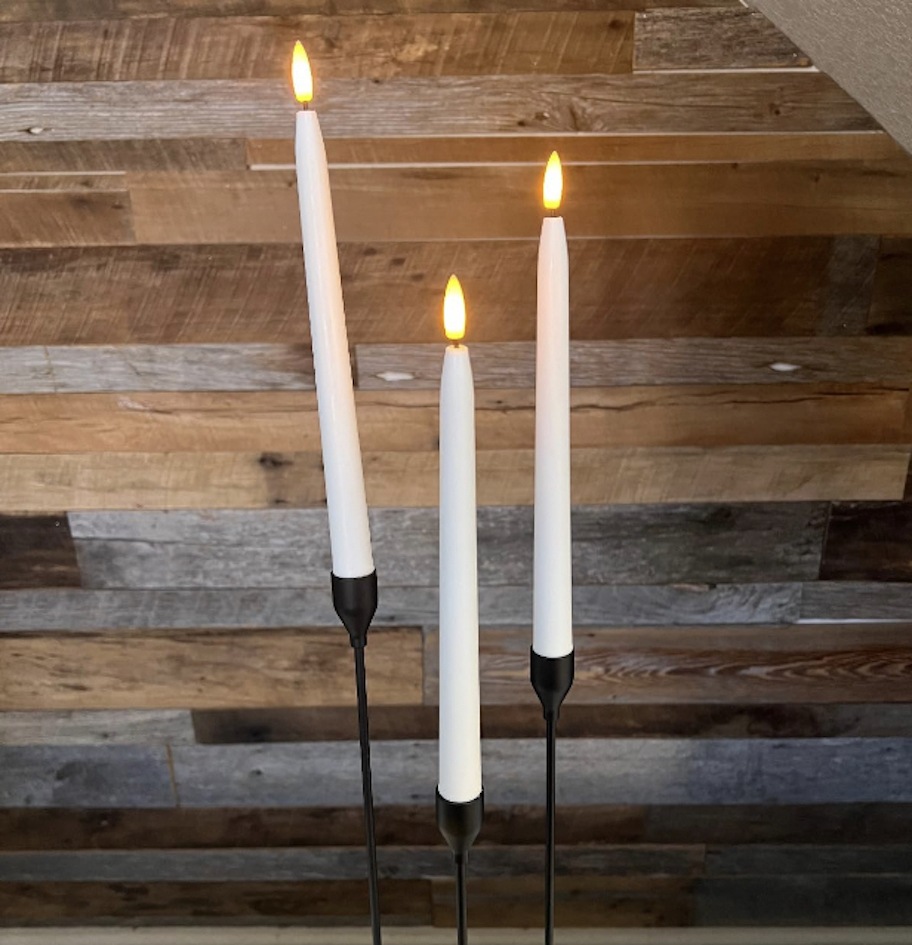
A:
<point x="551" y="678"/>
<point x="459" y="823"/>
<point x="355" y="601"/>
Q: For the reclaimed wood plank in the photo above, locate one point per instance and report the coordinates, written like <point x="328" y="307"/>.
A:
<point x="284" y="549"/>
<point x="602" y="771"/>
<point x="411" y="862"/>
<point x="37" y="551"/>
<point x="165" y="295"/>
<point x="195" y="421"/>
<point x="259" y="47"/>
<point x="868" y="542"/>
<point x="605" y="720"/>
<point x="640" y="362"/>
<point x="193" y="669"/>
<point x="834" y="601"/>
<point x="719" y="665"/>
<point x="889" y="313"/>
<point x="631" y="200"/>
<point x="775" y="860"/>
<point x="262" y="108"/>
<point x="626" y="475"/>
<point x="712" y="39"/>
<point x="85" y="776"/>
<point x="591" y="148"/>
<point x="225" y="608"/>
<point x="131" y="727"/>
<point x="315" y="902"/>
<point x="172" y="154"/>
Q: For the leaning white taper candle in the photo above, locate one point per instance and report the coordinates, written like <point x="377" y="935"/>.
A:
<point x="349" y="532"/>
<point x="552" y="618"/>
<point x="460" y="713"/>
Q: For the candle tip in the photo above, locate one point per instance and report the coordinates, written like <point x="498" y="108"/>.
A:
<point x="301" y="74"/>
<point x="554" y="183"/>
<point x="454" y="310"/>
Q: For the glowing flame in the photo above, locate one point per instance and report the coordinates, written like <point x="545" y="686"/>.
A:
<point x="554" y="182"/>
<point x="301" y="76"/>
<point x="454" y="312"/>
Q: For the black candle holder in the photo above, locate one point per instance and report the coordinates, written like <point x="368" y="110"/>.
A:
<point x="460" y="824"/>
<point x="355" y="601"/>
<point x="551" y="679"/>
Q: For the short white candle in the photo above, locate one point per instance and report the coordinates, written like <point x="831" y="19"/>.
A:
<point x="552" y="617"/>
<point x="349" y="531"/>
<point x="460" y="712"/>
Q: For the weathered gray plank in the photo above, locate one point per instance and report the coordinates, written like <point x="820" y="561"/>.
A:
<point x="717" y="39"/>
<point x="850" y="601"/>
<point x="457" y="106"/>
<point x="505" y="605"/>
<point x="776" y="860"/>
<point x="84" y="776"/>
<point x="612" y="545"/>
<point x="593" y="771"/>
<point x="653" y="361"/>
<point x="136" y="727"/>
<point x="96" y="368"/>
<point x="414" y="862"/>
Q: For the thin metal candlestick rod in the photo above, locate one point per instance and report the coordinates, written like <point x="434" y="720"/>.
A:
<point x="462" y="902"/>
<point x="550" y="842"/>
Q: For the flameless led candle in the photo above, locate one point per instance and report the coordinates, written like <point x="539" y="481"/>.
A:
<point x="460" y="714"/>
<point x="349" y="532"/>
<point x="552" y="618"/>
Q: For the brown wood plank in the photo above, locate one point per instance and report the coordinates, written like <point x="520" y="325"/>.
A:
<point x="868" y="542"/>
<point x="766" y="199"/>
<point x="642" y="103"/>
<point x="39" y="10"/>
<point x="176" y="154"/>
<point x="37" y="551"/>
<point x="203" y="669"/>
<point x="762" y="666"/>
<point x="51" y="829"/>
<point x="273" y="421"/>
<point x="749" y="288"/>
<point x="624" y="475"/>
<point x="224" y="47"/>
<point x="64" y="211"/>
<point x="712" y="39"/>
<point x="590" y="148"/>
<point x="890" y="311"/>
<point x="606" y="720"/>
<point x="314" y="902"/>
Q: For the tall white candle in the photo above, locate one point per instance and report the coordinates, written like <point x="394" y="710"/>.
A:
<point x="552" y="618"/>
<point x="460" y="715"/>
<point x="349" y="532"/>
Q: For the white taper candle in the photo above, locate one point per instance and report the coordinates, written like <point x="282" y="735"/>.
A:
<point x="460" y="714"/>
<point x="552" y="618"/>
<point x="349" y="531"/>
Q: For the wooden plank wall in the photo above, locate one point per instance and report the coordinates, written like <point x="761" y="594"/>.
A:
<point x="177" y="728"/>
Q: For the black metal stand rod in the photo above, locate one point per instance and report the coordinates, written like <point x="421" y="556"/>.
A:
<point x="367" y="791"/>
<point x="460" y="823"/>
<point x="462" y="901"/>
<point x="550" y="807"/>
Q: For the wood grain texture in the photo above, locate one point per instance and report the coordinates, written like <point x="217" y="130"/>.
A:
<point x="408" y="420"/>
<point x="621" y="476"/>
<point x="500" y="605"/>
<point x="731" y="289"/>
<point x="225" y="47"/>
<point x="889" y="314"/>
<point x="640" y="362"/>
<point x="868" y="542"/>
<point x="261" y="108"/>
<point x="85" y="776"/>
<point x="605" y="720"/>
<point x="631" y="200"/>
<point x="131" y="727"/>
<point x="283" y="549"/>
<point x="203" y="670"/>
<point x="712" y="39"/>
<point x="37" y="551"/>
<point x="830" y="601"/>
<point x="722" y="665"/>
<point x="534" y="149"/>
<point x="56" y="829"/>
<point x="603" y="771"/>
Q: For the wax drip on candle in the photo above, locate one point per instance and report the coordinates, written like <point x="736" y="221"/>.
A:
<point x="301" y="75"/>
